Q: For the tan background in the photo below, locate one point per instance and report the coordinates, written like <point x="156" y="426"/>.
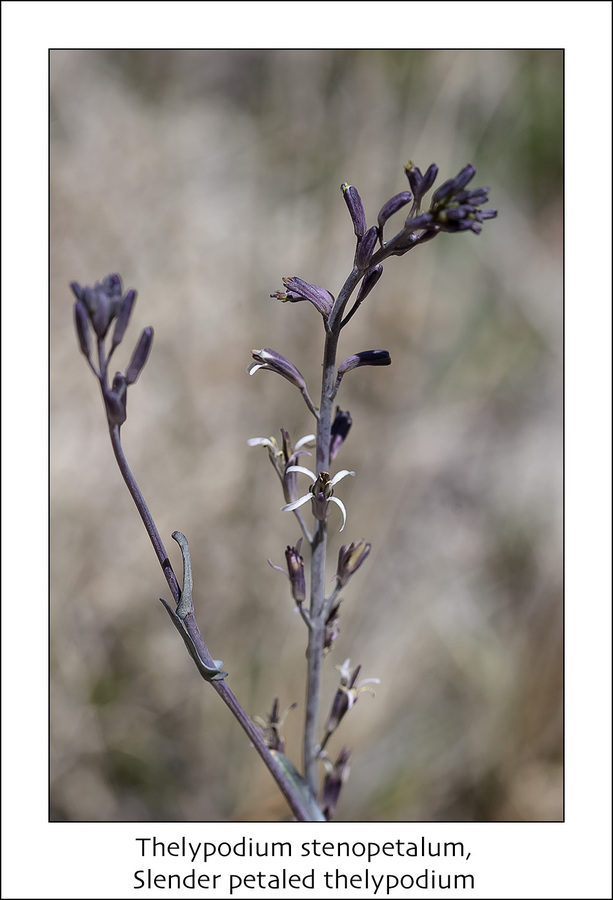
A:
<point x="202" y="177"/>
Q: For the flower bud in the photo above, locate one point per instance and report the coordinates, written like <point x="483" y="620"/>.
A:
<point x="297" y="289"/>
<point x="340" y="705"/>
<point x="356" y="210"/>
<point x="115" y="400"/>
<point x="420" y="184"/>
<point x="366" y="248"/>
<point x="350" y="558"/>
<point x="295" y="570"/>
<point x="453" y="186"/>
<point x="339" y="431"/>
<point x="101" y="316"/>
<point x="418" y="222"/>
<point x="82" y="325"/>
<point x="140" y="355"/>
<point x="368" y="283"/>
<point x="365" y="358"/>
<point x="414" y="175"/>
<point x="125" y="311"/>
<point x="274" y="362"/>
<point x="392" y="206"/>
<point x="333" y="782"/>
<point x="77" y="290"/>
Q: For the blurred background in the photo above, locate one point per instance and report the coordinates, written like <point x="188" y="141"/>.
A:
<point x="202" y="178"/>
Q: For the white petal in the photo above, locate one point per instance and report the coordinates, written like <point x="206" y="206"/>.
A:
<point x="266" y="442"/>
<point x="342" y="509"/>
<point x="300" y="502"/>
<point x="303" y="470"/>
<point x="252" y="369"/>
<point x="340" y="475"/>
<point x="304" y="440"/>
<point x="345" y="668"/>
<point x="278" y="568"/>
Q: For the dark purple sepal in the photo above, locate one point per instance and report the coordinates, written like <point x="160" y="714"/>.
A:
<point x="355" y="207"/>
<point x="140" y="355"/>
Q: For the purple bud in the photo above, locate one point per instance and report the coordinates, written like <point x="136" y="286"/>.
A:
<point x="82" y="326"/>
<point x="333" y="782"/>
<point x="343" y="699"/>
<point x="340" y="705"/>
<point x="297" y="289"/>
<point x="452" y="214"/>
<point x="392" y="206"/>
<point x="414" y="175"/>
<point x="419" y="221"/>
<point x="428" y="179"/>
<point x="274" y="362"/>
<point x="420" y="184"/>
<point x="125" y="311"/>
<point x="77" y="290"/>
<point x="140" y="356"/>
<point x="115" y="401"/>
<point x="89" y="298"/>
<point x="368" y="283"/>
<point x="366" y="248"/>
<point x="365" y="358"/>
<point x="453" y="186"/>
<point x="350" y="558"/>
<point x="295" y="569"/>
<point x="339" y="431"/>
<point x="474" y="197"/>
<point x="356" y="210"/>
<point x="112" y="286"/>
<point x="101" y="316"/>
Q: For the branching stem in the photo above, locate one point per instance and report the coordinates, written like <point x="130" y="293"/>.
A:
<point x="288" y="789"/>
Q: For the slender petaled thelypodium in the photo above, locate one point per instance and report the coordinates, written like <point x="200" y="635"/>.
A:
<point x="452" y="208"/>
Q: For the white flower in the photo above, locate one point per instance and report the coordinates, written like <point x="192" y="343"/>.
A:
<point x="320" y="492"/>
<point x="272" y="444"/>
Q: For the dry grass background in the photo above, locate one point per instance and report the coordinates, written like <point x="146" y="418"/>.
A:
<point x="202" y="177"/>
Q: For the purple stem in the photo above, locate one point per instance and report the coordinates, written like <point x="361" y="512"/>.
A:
<point x="191" y="626"/>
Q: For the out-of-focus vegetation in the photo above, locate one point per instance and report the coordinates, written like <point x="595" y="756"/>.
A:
<point x="203" y="177"/>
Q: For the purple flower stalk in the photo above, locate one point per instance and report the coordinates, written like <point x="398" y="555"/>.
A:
<point x="454" y="207"/>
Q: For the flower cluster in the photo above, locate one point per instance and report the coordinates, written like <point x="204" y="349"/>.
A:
<point x="284" y="459"/>
<point x="452" y="208"/>
<point x="95" y="309"/>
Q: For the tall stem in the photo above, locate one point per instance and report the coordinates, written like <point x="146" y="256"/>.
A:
<point x="315" y="649"/>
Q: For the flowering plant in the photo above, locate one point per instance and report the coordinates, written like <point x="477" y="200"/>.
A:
<point x="452" y="208"/>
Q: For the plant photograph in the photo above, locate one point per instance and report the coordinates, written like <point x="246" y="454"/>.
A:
<point x="331" y="283"/>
